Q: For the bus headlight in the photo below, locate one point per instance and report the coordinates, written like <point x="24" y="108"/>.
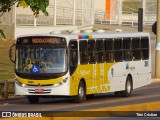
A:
<point x="20" y="84"/>
<point x="61" y="83"/>
<point x="23" y="85"/>
<point x="65" y="80"/>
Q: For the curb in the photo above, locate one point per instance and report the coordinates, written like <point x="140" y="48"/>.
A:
<point x="155" y="80"/>
<point x="10" y="99"/>
<point x="150" y="106"/>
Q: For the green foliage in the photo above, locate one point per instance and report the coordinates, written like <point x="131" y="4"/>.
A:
<point x="131" y="6"/>
<point x="23" y="3"/>
<point x="2" y="34"/>
<point x="35" y="5"/>
<point x="5" y="5"/>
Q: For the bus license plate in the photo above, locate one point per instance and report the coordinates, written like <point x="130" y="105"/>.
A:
<point x="39" y="90"/>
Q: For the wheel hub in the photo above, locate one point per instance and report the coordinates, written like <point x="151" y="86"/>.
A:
<point x="81" y="92"/>
<point x="128" y="86"/>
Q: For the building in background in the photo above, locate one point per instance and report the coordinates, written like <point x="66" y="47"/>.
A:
<point x="107" y="10"/>
<point x="73" y="14"/>
<point x="124" y="11"/>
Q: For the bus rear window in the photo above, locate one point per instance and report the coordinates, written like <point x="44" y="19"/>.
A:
<point x="144" y="48"/>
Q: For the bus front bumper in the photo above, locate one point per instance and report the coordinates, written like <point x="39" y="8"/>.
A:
<point x="62" y="90"/>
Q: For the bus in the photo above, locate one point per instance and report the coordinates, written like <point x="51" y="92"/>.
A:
<point x="81" y="65"/>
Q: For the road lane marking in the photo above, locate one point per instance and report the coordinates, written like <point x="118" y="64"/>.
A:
<point x="5" y="104"/>
<point x="105" y="102"/>
<point x="147" y="87"/>
<point x="150" y="106"/>
<point x="155" y="80"/>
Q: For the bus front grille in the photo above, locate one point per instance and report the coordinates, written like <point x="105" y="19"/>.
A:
<point x="40" y="92"/>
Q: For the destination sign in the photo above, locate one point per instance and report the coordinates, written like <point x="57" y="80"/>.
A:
<point x="41" y="40"/>
<point x="46" y="40"/>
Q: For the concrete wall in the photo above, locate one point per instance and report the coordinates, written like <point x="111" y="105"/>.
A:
<point x="7" y="25"/>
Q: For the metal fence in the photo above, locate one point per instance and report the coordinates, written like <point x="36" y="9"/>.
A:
<point x="64" y="17"/>
<point x="6" y="89"/>
<point x="128" y="18"/>
<point x="82" y="17"/>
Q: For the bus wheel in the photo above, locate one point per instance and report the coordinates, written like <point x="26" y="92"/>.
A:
<point x="128" y="88"/>
<point x="117" y="94"/>
<point x="90" y="96"/>
<point x="33" y="99"/>
<point x="81" y="93"/>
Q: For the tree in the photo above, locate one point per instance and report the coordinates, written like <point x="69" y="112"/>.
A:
<point x="35" y="5"/>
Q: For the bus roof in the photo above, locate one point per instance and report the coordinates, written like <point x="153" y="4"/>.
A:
<point x="94" y="35"/>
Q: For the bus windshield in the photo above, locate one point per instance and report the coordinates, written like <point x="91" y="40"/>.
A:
<point x="41" y="60"/>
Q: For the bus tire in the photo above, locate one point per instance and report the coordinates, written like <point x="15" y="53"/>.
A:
<point x="81" y="93"/>
<point x="128" y="88"/>
<point x="90" y="96"/>
<point x="33" y="99"/>
<point x="117" y="94"/>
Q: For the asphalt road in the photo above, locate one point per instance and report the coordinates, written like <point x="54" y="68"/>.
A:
<point x="145" y="94"/>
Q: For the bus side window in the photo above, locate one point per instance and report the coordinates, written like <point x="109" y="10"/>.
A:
<point x="118" y="50"/>
<point x="83" y="52"/>
<point x="91" y="52"/>
<point x="127" y="49"/>
<point x="100" y="51"/>
<point x="136" y="48"/>
<point x="73" y="57"/>
<point x="145" y="48"/>
<point x="109" y="54"/>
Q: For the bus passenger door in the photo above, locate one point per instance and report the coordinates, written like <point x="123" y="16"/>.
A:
<point x="73" y="56"/>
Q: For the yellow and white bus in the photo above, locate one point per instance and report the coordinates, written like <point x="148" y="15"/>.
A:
<point x="81" y="65"/>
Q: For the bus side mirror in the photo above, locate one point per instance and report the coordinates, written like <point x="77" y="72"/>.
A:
<point x="10" y="53"/>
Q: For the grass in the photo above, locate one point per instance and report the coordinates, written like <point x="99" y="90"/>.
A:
<point x="10" y="89"/>
<point x="6" y="66"/>
<point x="131" y="6"/>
